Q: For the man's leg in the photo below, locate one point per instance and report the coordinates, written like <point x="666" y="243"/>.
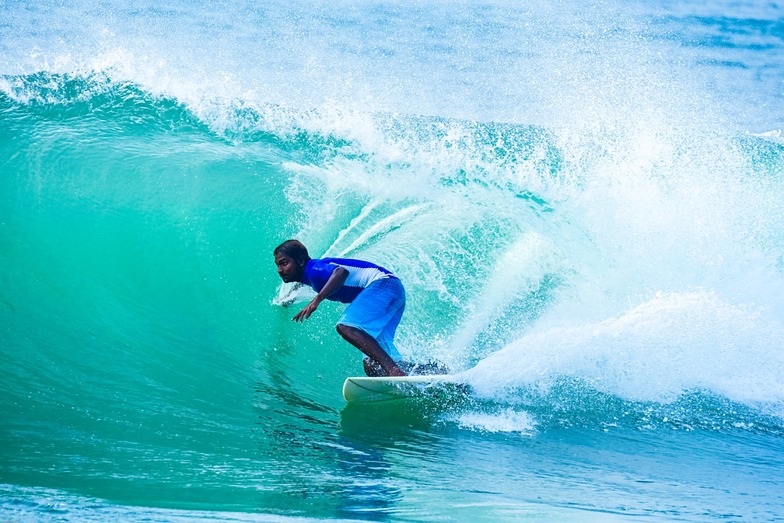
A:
<point x="370" y="347"/>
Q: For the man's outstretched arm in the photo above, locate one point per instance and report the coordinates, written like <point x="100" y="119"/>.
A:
<point x="335" y="281"/>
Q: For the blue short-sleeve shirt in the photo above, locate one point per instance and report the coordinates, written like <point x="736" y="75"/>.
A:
<point x="361" y="274"/>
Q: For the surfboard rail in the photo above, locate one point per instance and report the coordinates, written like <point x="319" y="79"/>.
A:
<point x="365" y="389"/>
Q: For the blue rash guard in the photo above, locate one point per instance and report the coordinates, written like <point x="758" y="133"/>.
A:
<point x="361" y="275"/>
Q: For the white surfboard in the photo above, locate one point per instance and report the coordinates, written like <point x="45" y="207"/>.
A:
<point x="364" y="389"/>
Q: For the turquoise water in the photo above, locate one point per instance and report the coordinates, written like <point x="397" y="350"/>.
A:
<point x="584" y="202"/>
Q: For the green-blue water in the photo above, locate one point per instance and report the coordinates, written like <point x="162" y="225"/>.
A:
<point x="584" y="202"/>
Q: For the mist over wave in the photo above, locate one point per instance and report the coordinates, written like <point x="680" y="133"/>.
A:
<point x="590" y="65"/>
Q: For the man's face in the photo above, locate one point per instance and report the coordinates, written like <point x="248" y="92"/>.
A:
<point x="288" y="269"/>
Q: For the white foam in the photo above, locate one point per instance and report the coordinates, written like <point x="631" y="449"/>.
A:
<point x="653" y="352"/>
<point x="504" y="421"/>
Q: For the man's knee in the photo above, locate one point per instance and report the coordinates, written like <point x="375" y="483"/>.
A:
<point x="348" y="332"/>
<point x="343" y="330"/>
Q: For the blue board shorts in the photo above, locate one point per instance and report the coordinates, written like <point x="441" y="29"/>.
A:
<point x="377" y="310"/>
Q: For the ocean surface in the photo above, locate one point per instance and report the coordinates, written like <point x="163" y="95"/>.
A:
<point x="584" y="200"/>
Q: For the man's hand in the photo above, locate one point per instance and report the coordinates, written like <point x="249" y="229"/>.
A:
<point x="309" y="309"/>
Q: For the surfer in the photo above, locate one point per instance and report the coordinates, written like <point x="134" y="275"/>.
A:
<point x="376" y="299"/>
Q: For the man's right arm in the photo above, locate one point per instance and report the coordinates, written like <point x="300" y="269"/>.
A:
<point x="335" y="282"/>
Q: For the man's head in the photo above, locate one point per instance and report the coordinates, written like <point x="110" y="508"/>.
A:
<point x="290" y="258"/>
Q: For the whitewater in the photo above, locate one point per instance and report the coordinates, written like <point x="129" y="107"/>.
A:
<point x="585" y="202"/>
